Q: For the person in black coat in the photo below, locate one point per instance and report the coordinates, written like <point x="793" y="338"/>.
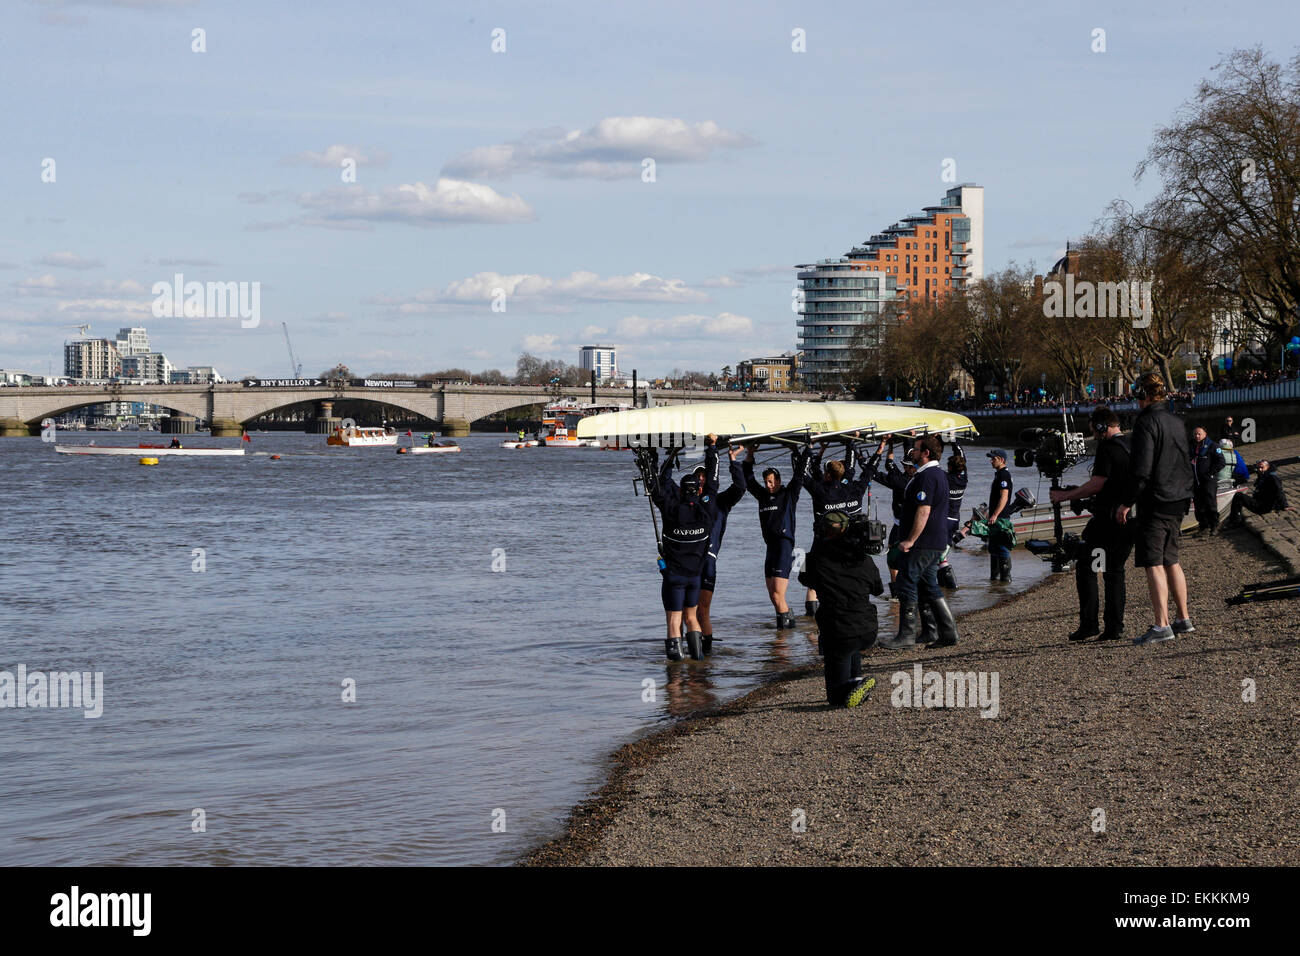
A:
<point x="1268" y="496"/>
<point x="844" y="575"/>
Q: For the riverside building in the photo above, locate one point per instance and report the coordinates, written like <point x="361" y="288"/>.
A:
<point x="846" y="303"/>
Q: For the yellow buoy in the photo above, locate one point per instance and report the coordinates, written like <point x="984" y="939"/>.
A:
<point x="148" y="461"/>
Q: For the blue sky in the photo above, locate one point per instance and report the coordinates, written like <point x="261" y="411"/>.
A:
<point x="521" y="170"/>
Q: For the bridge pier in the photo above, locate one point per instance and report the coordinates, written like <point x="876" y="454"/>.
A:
<point x="17" y="428"/>
<point x="226" y="428"/>
<point x="178" y="425"/>
<point x="325" y="421"/>
<point x="455" y="427"/>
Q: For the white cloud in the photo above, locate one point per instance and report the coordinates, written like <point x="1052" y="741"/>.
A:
<point x="723" y="325"/>
<point x="612" y="149"/>
<point x="446" y="202"/>
<point x="546" y="294"/>
<point x="68" y="260"/>
<point x="592" y="331"/>
<point x="332" y="157"/>
<point x="539" y="343"/>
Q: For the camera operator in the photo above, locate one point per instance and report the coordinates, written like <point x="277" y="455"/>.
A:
<point x="1103" y="533"/>
<point x="999" y="502"/>
<point x="1160" y="484"/>
<point x="925" y="530"/>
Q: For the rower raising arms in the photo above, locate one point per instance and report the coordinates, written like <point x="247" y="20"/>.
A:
<point x="776" y="518"/>
<point x="689" y="512"/>
<point x="709" y="575"/>
<point x="833" y="490"/>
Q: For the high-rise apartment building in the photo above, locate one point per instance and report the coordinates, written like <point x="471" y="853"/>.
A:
<point x="601" y="359"/>
<point x="132" y="341"/>
<point x="147" y="367"/>
<point x="91" y="359"/>
<point x="849" y="302"/>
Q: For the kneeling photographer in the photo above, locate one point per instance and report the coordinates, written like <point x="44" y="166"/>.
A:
<point x="840" y="569"/>
<point x="1103" y="537"/>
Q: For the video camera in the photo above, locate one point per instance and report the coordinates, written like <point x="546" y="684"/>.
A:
<point x="865" y="533"/>
<point x="1052" y="451"/>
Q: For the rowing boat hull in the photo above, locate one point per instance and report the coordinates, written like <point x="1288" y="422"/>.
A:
<point x="1037" y="522"/>
<point x="145" y="452"/>
<point x="436" y="450"/>
<point x="680" y="424"/>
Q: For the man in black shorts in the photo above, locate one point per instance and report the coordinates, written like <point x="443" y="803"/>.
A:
<point x="1161" y="485"/>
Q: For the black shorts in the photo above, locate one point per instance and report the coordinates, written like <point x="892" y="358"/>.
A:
<point x="679" y="593"/>
<point x="1156" y="540"/>
<point x="779" y="558"/>
<point x="709" y="573"/>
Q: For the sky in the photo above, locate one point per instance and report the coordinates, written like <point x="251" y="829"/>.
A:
<point x="501" y="201"/>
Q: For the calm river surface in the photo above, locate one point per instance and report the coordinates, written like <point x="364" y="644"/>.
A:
<point x="477" y="691"/>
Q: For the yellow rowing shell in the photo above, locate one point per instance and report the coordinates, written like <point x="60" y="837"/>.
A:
<point x="757" y="419"/>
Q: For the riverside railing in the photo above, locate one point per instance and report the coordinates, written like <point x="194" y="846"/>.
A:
<point x="1273" y="392"/>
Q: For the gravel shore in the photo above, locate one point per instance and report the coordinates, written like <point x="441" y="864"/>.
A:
<point x="1100" y="754"/>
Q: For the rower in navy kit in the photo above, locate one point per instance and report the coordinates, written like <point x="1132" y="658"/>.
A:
<point x="689" y="512"/>
<point x="957" y="481"/>
<point x="776" y="519"/>
<point x="709" y="575"/>
<point x="835" y="489"/>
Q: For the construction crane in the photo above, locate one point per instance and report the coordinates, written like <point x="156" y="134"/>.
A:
<point x="295" y="366"/>
<point x="80" y="328"/>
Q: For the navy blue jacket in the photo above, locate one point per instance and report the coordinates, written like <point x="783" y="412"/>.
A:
<point x="928" y="487"/>
<point x="846" y="495"/>
<point x="776" y="512"/>
<point x="688" y="522"/>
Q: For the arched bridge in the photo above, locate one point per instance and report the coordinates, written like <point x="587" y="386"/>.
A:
<point x="229" y="406"/>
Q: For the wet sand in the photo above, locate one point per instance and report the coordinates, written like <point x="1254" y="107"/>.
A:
<point x="1156" y="738"/>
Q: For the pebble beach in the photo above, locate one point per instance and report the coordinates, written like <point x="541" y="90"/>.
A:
<point x="1183" y="753"/>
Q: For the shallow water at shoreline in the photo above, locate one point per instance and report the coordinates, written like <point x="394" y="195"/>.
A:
<point x="478" y="691"/>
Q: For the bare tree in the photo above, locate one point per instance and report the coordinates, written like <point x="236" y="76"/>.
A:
<point x="1230" y="165"/>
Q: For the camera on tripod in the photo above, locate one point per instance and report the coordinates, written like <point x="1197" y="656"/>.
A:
<point x="1051" y="450"/>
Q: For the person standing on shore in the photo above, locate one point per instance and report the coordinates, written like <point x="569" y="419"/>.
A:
<point x="1230" y="431"/>
<point x="1103" y="536"/>
<point x="839" y="569"/>
<point x="689" y="513"/>
<point x="776" y="519"/>
<point x="1207" y="462"/>
<point x="925" y="529"/>
<point x="709" y="574"/>
<point x="999" y="502"/>
<point x="1161" y="485"/>
<point x="1268" y="496"/>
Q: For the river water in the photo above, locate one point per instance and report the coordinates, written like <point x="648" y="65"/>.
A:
<point x="486" y="701"/>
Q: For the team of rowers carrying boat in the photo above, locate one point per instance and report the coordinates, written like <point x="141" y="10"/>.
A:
<point x="926" y="504"/>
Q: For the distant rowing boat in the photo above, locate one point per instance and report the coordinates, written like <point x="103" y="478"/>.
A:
<point x="428" y="450"/>
<point x="143" y="450"/>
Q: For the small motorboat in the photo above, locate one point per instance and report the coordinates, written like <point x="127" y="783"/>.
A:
<point x="354" y="437"/>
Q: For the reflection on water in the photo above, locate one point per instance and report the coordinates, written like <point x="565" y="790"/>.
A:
<point x="476" y="690"/>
